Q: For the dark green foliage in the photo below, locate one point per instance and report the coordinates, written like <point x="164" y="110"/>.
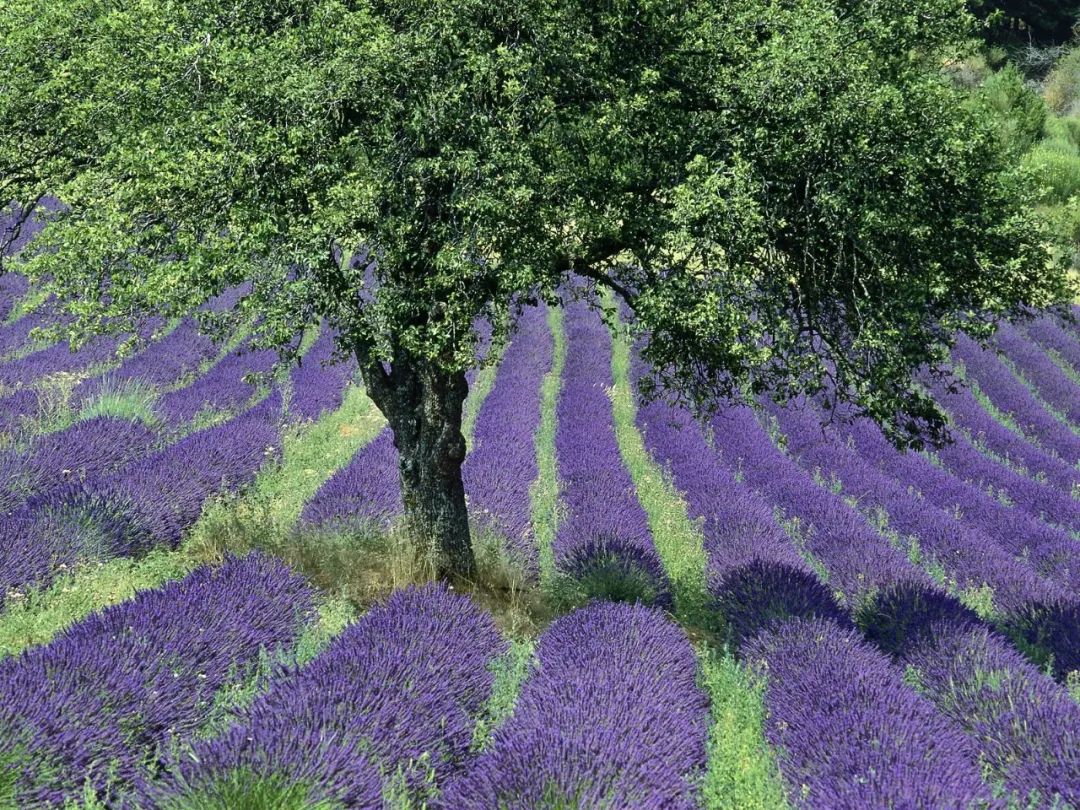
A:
<point x="1020" y="112"/>
<point x="786" y="192"/>
<point x="1023" y="22"/>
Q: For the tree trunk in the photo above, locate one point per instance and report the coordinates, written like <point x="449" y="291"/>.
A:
<point x="423" y="405"/>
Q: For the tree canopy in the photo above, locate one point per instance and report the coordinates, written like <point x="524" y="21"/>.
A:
<point x="786" y="193"/>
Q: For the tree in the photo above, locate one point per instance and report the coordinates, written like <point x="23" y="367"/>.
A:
<point x="786" y="195"/>
<point x="1027" y="22"/>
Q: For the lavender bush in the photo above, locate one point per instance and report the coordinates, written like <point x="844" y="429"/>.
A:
<point x="849" y="732"/>
<point x="148" y="502"/>
<point x="604" y="541"/>
<point x="393" y="700"/>
<point x="501" y="466"/>
<point x="611" y="717"/>
<point x="108" y="697"/>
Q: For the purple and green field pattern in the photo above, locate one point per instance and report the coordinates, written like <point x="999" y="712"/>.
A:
<point x="501" y="467"/>
<point x="367" y="490"/>
<point x="604" y="539"/>
<point x="393" y="700"/>
<point x="851" y="733"/>
<point x="103" y="703"/>
<point x="610" y="717"/>
<point x="1013" y="398"/>
<point x="1007" y="445"/>
<point x="1048" y="332"/>
<point x="1052" y="384"/>
<point x="318" y="384"/>
<point x="158" y="366"/>
<point x="912" y="620"/>
<point x="148" y="502"/>
<point x="224" y="388"/>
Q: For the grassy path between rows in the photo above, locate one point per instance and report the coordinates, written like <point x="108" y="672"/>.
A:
<point x="741" y="769"/>
<point x="310" y="454"/>
<point x="544" y="495"/>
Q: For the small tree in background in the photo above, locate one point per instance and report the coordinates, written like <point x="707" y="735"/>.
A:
<point x="788" y="196"/>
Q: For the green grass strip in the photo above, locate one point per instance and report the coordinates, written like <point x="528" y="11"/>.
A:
<point x="478" y="392"/>
<point x="678" y="540"/>
<point x="40" y="615"/>
<point x="510" y="670"/>
<point x="544" y="494"/>
<point x="310" y="454"/>
<point x="741" y="770"/>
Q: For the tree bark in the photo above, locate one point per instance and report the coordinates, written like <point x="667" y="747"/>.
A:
<point x="423" y="405"/>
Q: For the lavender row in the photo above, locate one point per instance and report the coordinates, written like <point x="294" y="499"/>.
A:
<point x="394" y="698"/>
<point x="967" y="555"/>
<point x="160" y="365"/>
<point x="59" y="358"/>
<point x="986" y="431"/>
<point x="366" y="490"/>
<point x="18" y="409"/>
<point x="604" y="539"/>
<point x="149" y="502"/>
<point x="1052" y="626"/>
<point x="1050" y="552"/>
<point x="1037" y="499"/>
<point x="1053" y="384"/>
<point x="501" y="466"/>
<point x="611" y="716"/>
<point x="1013" y="398"/>
<point x="1025" y="727"/>
<point x="223" y="388"/>
<point x="887" y="746"/>
<point x="771" y="589"/>
<point x="84" y="451"/>
<point x="756" y="577"/>
<point x="111" y="694"/>
<point x="318" y="384"/>
<point x="858" y="559"/>
<point x="14" y="335"/>
<point x="1049" y="333"/>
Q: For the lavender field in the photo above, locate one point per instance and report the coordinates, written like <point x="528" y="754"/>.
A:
<point x="756" y="611"/>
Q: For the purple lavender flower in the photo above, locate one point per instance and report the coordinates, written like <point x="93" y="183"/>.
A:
<point x="159" y="365"/>
<point x="1026" y="727"/>
<point x="849" y="732"/>
<point x="1013" y="398"/>
<point x="13" y="336"/>
<point x="611" y="717"/>
<point x="1048" y="551"/>
<point x="12" y="287"/>
<point x="964" y="552"/>
<point x="85" y="450"/>
<point x="222" y="388"/>
<point x="756" y="577"/>
<point x="604" y="540"/>
<point x="501" y="466"/>
<point x="18" y="409"/>
<point x="367" y="489"/>
<point x="394" y="696"/>
<point x="1049" y="333"/>
<point x="317" y="384"/>
<point x="1053" y="385"/>
<point x="111" y="693"/>
<point x="60" y="358"/>
<point x="857" y="558"/>
<point x="148" y="502"/>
